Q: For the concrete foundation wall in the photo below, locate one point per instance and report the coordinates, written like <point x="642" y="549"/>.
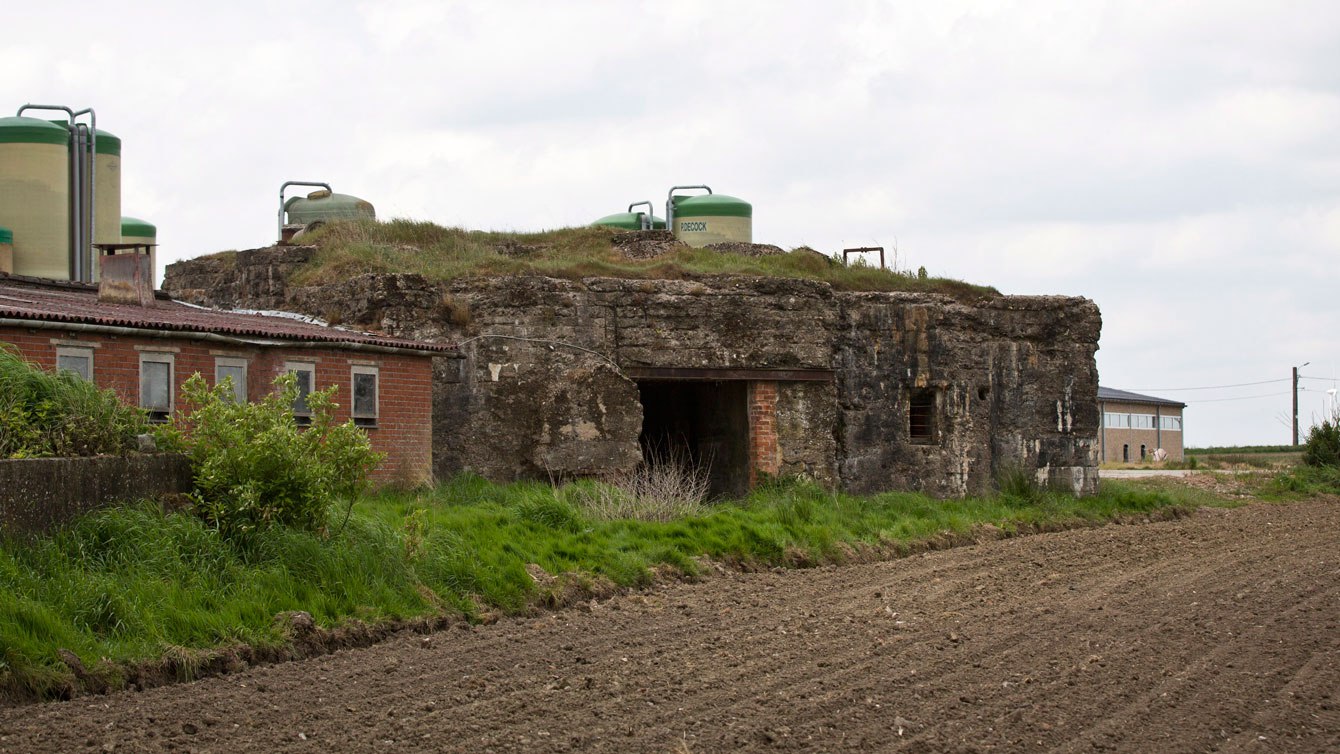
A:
<point x="38" y="494"/>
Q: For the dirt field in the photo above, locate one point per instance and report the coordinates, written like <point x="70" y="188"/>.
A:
<point x="1220" y="632"/>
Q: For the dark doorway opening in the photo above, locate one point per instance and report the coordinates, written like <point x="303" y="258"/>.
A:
<point x="705" y="424"/>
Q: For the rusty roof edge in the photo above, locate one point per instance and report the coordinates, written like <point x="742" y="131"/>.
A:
<point x="345" y="345"/>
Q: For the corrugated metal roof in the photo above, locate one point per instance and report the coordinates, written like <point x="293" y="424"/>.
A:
<point x="1112" y="394"/>
<point x="58" y="301"/>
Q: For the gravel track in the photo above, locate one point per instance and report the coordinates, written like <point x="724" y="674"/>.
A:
<point x="1217" y="632"/>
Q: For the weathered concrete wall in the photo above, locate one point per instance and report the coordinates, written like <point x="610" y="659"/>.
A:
<point x="807" y="421"/>
<point x="1014" y="379"/>
<point x="543" y="388"/>
<point x="37" y="494"/>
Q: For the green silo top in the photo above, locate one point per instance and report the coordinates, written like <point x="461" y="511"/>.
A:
<point x="322" y="206"/>
<point x="6" y="235"/>
<point x="629" y="221"/>
<point x="136" y="228"/>
<point x="20" y="130"/>
<point x="712" y="205"/>
<point x="108" y="143"/>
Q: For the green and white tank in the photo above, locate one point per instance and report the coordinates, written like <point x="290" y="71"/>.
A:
<point x="35" y="195"/>
<point x="629" y="221"/>
<point x="6" y="250"/>
<point x="134" y="230"/>
<point x="323" y="205"/>
<point x="713" y="218"/>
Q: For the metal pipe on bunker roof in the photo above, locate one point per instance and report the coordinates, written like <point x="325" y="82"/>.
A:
<point x="670" y="203"/>
<point x="646" y="219"/>
<point x="283" y="188"/>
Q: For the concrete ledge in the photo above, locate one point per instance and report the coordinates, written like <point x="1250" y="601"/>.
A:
<point x="38" y="494"/>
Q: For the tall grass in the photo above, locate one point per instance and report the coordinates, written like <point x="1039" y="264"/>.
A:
<point x="60" y="414"/>
<point x="136" y="584"/>
<point x="347" y="248"/>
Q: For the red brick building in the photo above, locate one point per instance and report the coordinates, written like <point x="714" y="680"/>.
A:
<point x="146" y="352"/>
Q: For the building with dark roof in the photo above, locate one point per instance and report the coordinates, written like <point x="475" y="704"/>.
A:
<point x="122" y="335"/>
<point x="1135" y="427"/>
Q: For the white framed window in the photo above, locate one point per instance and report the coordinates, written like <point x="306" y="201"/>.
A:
<point x="365" y="388"/>
<point x="157" y="384"/>
<point x="226" y="368"/>
<point x="1170" y="423"/>
<point x="74" y="359"/>
<point x="305" y="371"/>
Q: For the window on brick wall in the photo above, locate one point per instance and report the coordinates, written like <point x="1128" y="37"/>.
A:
<point x="77" y="360"/>
<point x="364" y="389"/>
<point x="306" y="374"/>
<point x="921" y="416"/>
<point x="156" y="385"/>
<point x="232" y="369"/>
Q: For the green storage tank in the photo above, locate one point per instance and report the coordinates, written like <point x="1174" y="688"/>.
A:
<point x="629" y="221"/>
<point x="35" y="195"/>
<point x="712" y="218"/>
<point x="134" y="230"/>
<point x="107" y="180"/>
<point x="107" y="174"/>
<point x="6" y="250"/>
<point x="324" y="205"/>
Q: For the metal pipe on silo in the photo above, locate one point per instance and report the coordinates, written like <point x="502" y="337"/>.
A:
<point x="83" y="146"/>
<point x="646" y="219"/>
<point x="284" y="188"/>
<point x="90" y="158"/>
<point x="76" y="194"/>
<point x="670" y="203"/>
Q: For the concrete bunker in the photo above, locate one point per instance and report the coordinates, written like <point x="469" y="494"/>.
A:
<point x="862" y="391"/>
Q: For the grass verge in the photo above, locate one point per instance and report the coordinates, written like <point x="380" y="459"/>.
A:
<point x="135" y="596"/>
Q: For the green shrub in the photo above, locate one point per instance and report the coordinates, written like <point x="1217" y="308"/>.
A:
<point x="60" y="414"/>
<point x="255" y="467"/>
<point x="1323" y="444"/>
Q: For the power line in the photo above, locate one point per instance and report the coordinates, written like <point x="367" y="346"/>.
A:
<point x="1320" y="379"/>
<point x="1214" y="387"/>
<point x="1243" y="398"/>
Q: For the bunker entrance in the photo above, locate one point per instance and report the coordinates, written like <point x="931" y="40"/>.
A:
<point x="702" y="425"/>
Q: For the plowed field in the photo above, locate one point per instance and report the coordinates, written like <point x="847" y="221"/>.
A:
<point x="1217" y="632"/>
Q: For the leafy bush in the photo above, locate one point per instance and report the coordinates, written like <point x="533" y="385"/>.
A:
<point x="1323" y="444"/>
<point x="60" y="414"/>
<point x="255" y="467"/>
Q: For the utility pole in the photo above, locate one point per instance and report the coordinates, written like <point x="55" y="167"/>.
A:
<point x="1295" y="401"/>
<point x="1295" y="407"/>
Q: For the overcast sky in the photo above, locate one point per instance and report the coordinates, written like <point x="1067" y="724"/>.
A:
<point x="1176" y="162"/>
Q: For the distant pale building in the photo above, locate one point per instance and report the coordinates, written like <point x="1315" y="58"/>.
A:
<point x="1135" y="426"/>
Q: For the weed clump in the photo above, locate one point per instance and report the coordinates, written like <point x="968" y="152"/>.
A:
<point x="60" y="413"/>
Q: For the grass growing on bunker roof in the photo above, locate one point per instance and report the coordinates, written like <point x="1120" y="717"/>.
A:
<point x="348" y="248"/>
<point x="128" y="587"/>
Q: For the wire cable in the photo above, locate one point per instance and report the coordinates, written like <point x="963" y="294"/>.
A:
<point x="1242" y="398"/>
<point x="1210" y="387"/>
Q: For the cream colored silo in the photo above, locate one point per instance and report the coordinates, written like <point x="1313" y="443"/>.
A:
<point x="35" y="195"/>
